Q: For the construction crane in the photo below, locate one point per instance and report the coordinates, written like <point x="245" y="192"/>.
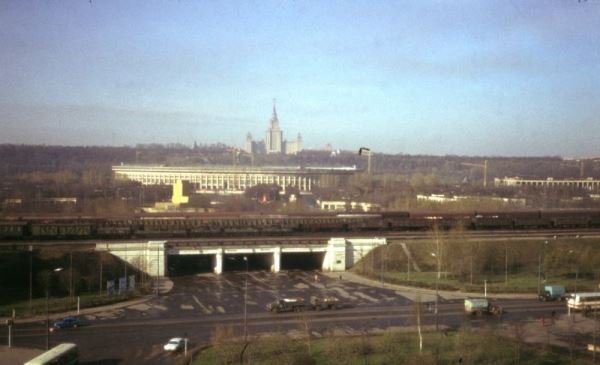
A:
<point x="483" y="166"/>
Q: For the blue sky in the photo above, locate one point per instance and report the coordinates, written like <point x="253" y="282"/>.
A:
<point x="511" y="77"/>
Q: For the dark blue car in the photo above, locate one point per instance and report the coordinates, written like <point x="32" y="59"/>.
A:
<point x="66" y="323"/>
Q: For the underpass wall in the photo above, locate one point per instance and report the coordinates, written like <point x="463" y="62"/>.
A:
<point x="148" y="257"/>
<point x="343" y="253"/>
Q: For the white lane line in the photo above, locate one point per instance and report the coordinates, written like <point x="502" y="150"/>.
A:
<point x="202" y="307"/>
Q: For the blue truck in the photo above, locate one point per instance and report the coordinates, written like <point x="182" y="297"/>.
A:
<point x="552" y="293"/>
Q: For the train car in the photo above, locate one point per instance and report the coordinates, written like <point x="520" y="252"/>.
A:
<point x="12" y="230"/>
<point x="568" y="218"/>
<point x="160" y="227"/>
<point x="492" y="222"/>
<point x="60" y="230"/>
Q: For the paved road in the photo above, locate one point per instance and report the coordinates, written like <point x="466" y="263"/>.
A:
<point x="197" y="305"/>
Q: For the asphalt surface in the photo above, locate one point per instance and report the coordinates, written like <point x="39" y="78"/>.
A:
<point x="198" y="305"/>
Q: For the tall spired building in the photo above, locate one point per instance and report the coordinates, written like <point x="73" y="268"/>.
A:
<point x="273" y="142"/>
<point x="274" y="138"/>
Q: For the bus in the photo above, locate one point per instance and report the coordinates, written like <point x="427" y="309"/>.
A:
<point x="584" y="301"/>
<point x="63" y="354"/>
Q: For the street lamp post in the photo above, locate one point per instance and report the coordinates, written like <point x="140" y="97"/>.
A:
<point x="245" y="302"/>
<point x="576" y="271"/>
<point x="368" y="152"/>
<point x="30" y="278"/>
<point x="540" y="269"/>
<point x="437" y="278"/>
<point x="58" y="269"/>
<point x="408" y="267"/>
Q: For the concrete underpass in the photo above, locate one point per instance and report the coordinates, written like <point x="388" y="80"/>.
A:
<point x="256" y="262"/>
<point x="181" y="265"/>
<point x="160" y="258"/>
<point x="302" y="260"/>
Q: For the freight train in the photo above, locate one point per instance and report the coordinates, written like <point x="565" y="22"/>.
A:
<point x="211" y="225"/>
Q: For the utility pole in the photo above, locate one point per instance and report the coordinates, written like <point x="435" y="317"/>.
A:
<point x="245" y="302"/>
<point x="71" y="276"/>
<point x="30" y="278"/>
<point x="437" y="279"/>
<point x="47" y="321"/>
<point x="10" y="322"/>
<point x="157" y="267"/>
<point x="506" y="264"/>
<point x="100" y="286"/>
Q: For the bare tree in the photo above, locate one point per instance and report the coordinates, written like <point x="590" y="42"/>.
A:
<point x="417" y="312"/>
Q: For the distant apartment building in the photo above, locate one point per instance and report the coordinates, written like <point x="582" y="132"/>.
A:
<point x="588" y="183"/>
<point x="347" y="206"/>
<point x="443" y="199"/>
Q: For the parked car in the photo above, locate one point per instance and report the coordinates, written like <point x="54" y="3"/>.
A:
<point x="68" y="322"/>
<point x="175" y="344"/>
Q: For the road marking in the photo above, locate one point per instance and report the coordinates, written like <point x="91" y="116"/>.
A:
<point x="187" y="307"/>
<point x="220" y="309"/>
<point x="367" y="297"/>
<point x="202" y="307"/>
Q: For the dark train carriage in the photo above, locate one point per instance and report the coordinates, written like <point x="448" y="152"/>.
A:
<point x="160" y="227"/>
<point x="571" y="221"/>
<point x="12" y="230"/>
<point x="564" y="218"/>
<point x="115" y="228"/>
<point x="492" y="222"/>
<point x="61" y="230"/>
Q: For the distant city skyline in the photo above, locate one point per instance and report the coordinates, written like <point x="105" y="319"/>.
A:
<point x="493" y="78"/>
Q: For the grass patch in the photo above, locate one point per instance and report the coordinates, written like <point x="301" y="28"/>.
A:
<point x="464" y="346"/>
<point x="63" y="304"/>
<point x="507" y="265"/>
<point x="517" y="283"/>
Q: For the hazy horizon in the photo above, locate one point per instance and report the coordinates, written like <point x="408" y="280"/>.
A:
<point x="469" y="78"/>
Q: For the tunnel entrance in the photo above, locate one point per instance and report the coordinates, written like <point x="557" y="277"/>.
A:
<point x="182" y="265"/>
<point x="302" y="260"/>
<point x="256" y="262"/>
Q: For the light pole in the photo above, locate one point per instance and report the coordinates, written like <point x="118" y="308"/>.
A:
<point x="407" y="267"/>
<point x="245" y="302"/>
<point x="58" y="269"/>
<point x="506" y="263"/>
<point x="367" y="151"/>
<point x="576" y="271"/>
<point x="540" y="268"/>
<point x="437" y="278"/>
<point x="157" y="268"/>
<point x="30" y="278"/>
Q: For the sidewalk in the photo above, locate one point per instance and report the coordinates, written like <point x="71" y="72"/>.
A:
<point x="425" y="295"/>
